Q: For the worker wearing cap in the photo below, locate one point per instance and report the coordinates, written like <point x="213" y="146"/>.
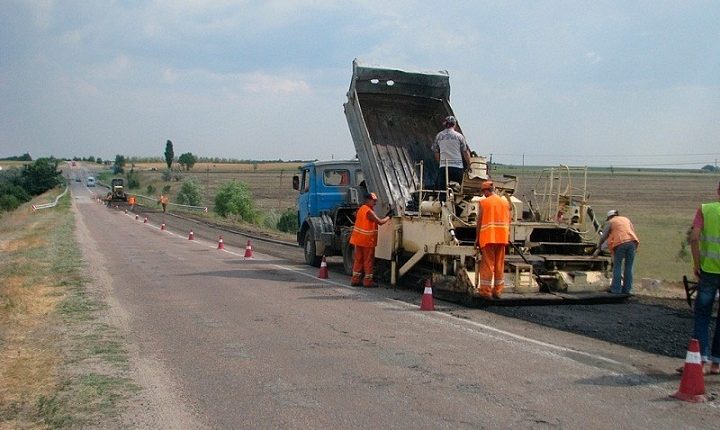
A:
<point x="493" y="234"/>
<point x="705" y="248"/>
<point x="619" y="233"/>
<point x="364" y="239"/>
<point x="450" y="150"/>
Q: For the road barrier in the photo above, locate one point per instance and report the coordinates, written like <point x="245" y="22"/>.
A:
<point x="49" y="205"/>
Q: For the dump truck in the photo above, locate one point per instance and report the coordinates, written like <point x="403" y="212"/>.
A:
<point x="393" y="116"/>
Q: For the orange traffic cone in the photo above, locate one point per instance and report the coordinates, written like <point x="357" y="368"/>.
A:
<point x="191" y="236"/>
<point x="162" y="226"/>
<point x="427" y="298"/>
<point x="221" y="244"/>
<point x="145" y="220"/>
<point x="323" y="269"/>
<point x="692" y="384"/>
<point x="248" y="250"/>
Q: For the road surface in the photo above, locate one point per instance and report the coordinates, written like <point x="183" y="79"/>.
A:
<point x="220" y="341"/>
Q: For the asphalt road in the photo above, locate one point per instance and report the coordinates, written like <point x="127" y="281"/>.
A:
<point x="221" y="341"/>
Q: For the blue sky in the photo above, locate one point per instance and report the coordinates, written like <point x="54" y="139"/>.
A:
<point x="598" y="83"/>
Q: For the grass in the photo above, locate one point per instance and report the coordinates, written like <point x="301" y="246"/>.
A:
<point x="62" y="367"/>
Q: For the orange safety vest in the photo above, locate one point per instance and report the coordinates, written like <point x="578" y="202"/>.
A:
<point x="131" y="200"/>
<point x="495" y="222"/>
<point x="365" y="230"/>
<point x="164" y="200"/>
<point x="621" y="231"/>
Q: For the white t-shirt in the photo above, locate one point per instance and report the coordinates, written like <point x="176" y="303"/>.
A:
<point x="451" y="145"/>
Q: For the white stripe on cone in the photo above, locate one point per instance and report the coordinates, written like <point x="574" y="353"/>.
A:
<point x="693" y="358"/>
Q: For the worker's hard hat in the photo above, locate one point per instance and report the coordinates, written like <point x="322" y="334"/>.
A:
<point x="450" y="120"/>
<point x="486" y="185"/>
<point x="612" y="213"/>
<point x="372" y="196"/>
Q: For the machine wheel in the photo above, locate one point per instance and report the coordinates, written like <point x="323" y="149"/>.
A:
<point x="309" y="249"/>
<point x="348" y="258"/>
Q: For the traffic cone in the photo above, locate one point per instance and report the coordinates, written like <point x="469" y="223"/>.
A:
<point x="145" y="220"/>
<point x="191" y="236"/>
<point x="248" y="250"/>
<point x="323" y="269"/>
<point x="125" y="211"/>
<point x="137" y="217"/>
<point x="692" y="384"/>
<point x="427" y="298"/>
<point x="162" y="226"/>
<point x="221" y="244"/>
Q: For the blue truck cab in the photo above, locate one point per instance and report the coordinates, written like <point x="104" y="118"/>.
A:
<point x="330" y="193"/>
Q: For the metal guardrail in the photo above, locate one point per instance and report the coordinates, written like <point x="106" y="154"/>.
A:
<point x="153" y="199"/>
<point x="50" y="205"/>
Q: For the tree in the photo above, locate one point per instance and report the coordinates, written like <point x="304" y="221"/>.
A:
<point x="709" y="168"/>
<point x="190" y="193"/>
<point x="40" y="176"/>
<point x="234" y="198"/>
<point x="187" y="160"/>
<point x="169" y="154"/>
<point x="119" y="165"/>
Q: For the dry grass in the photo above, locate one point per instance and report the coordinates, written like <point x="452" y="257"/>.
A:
<point x="59" y="367"/>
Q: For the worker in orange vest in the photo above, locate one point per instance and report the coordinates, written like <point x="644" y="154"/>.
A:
<point x="493" y="233"/>
<point x="163" y="201"/>
<point x="364" y="238"/>
<point x="131" y="201"/>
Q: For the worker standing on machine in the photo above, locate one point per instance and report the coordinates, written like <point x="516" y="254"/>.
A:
<point x="451" y="151"/>
<point x="364" y="239"/>
<point x="493" y="233"/>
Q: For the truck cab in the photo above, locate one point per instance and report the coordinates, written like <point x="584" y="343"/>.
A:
<point x="329" y="194"/>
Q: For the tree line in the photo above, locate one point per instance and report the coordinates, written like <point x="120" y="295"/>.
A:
<point x="20" y="185"/>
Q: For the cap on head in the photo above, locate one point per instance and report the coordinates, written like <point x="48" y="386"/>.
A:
<point x="450" y="120"/>
<point x="486" y="185"/>
<point x="611" y="213"/>
<point x="371" y="196"/>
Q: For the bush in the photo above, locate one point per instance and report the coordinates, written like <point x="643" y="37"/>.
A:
<point x="133" y="181"/>
<point x="167" y="175"/>
<point x="150" y="190"/>
<point x="288" y="221"/>
<point x="190" y="193"/>
<point x="234" y="198"/>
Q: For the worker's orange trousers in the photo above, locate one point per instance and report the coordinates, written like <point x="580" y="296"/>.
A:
<point x="363" y="262"/>
<point x="492" y="270"/>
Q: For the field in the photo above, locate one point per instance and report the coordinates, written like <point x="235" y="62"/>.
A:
<point x="661" y="204"/>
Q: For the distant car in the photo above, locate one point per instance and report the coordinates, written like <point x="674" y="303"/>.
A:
<point x="77" y="179"/>
<point x="90" y="181"/>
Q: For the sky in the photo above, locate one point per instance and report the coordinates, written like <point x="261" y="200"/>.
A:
<point x="599" y="83"/>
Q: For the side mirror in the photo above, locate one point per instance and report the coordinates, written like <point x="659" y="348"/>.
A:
<point x="296" y="182"/>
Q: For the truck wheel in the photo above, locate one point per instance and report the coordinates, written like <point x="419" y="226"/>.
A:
<point x="309" y="249"/>
<point x="348" y="258"/>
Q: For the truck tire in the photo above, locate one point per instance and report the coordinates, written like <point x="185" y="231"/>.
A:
<point x="309" y="249"/>
<point x="348" y="258"/>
